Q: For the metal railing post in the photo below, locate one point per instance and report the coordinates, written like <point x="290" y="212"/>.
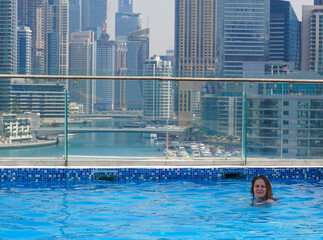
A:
<point x="66" y="129"/>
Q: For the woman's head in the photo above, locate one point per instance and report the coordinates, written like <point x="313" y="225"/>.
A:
<point x="261" y="188"/>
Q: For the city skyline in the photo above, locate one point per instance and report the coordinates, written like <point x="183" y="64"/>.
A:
<point x="161" y="21"/>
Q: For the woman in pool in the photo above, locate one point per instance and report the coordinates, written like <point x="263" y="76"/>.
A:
<point x="262" y="191"/>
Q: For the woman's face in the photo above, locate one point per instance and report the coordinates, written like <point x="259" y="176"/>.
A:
<point x="259" y="189"/>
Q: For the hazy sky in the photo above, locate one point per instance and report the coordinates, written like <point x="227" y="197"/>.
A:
<point x="158" y="15"/>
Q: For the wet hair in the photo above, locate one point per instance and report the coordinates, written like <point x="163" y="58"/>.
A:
<point x="269" y="190"/>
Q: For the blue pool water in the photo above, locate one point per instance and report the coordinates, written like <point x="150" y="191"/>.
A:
<point x="160" y="210"/>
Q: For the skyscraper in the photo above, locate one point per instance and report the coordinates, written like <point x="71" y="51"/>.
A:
<point x="75" y="16"/>
<point x="195" y="50"/>
<point x="284" y="42"/>
<point x="125" y="6"/>
<point x="312" y="45"/>
<point x="132" y="50"/>
<point x="137" y="54"/>
<point x="158" y="95"/>
<point x="126" y="21"/>
<point x="105" y="66"/>
<point x="24" y="50"/>
<point x="31" y="13"/>
<point x="243" y="34"/>
<point x="138" y="51"/>
<point x="82" y="62"/>
<point x="125" y="24"/>
<point x="8" y="48"/>
<point x="93" y="13"/>
<point x="22" y="12"/>
<point x="57" y="37"/>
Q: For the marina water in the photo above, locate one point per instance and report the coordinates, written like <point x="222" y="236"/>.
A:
<point x="125" y="144"/>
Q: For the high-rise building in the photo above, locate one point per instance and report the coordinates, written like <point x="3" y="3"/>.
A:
<point x="31" y="13"/>
<point x="157" y="95"/>
<point x="288" y="126"/>
<point x="284" y="42"/>
<point x="125" y="6"/>
<point x="195" y="37"/>
<point x="121" y="70"/>
<point x="312" y="45"/>
<point x="82" y="62"/>
<point x="57" y="37"/>
<point x="105" y="66"/>
<point x="137" y="54"/>
<point x="318" y="2"/>
<point x="93" y="13"/>
<point x="195" y="50"/>
<point x="221" y="114"/>
<point x="126" y="23"/>
<point x="8" y="48"/>
<point x="46" y="99"/>
<point x="75" y="16"/>
<point x="138" y="51"/>
<point x="8" y="32"/>
<point x="24" y="50"/>
<point x="132" y="44"/>
<point x="243" y="34"/>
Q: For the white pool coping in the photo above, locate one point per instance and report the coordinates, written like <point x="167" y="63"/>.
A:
<point x="155" y="162"/>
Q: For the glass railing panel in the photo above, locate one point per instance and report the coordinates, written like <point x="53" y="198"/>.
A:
<point x="208" y="118"/>
<point x="106" y="120"/>
<point x="155" y="118"/>
<point x="221" y="117"/>
<point x="285" y="121"/>
<point x="264" y="121"/>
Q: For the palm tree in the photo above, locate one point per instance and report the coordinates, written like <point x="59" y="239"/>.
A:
<point x="195" y="132"/>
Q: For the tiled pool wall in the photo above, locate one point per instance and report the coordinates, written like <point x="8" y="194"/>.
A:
<point x="58" y="175"/>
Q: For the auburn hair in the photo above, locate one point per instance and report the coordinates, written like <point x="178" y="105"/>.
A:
<point x="269" y="190"/>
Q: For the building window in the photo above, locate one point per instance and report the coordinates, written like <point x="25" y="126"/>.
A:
<point x="286" y="103"/>
<point x="285" y="132"/>
<point x="285" y="122"/>
<point x="285" y="141"/>
<point x="286" y="113"/>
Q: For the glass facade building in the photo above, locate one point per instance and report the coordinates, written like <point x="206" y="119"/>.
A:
<point x="8" y="48"/>
<point x="284" y="43"/>
<point x="288" y="126"/>
<point x="46" y="99"/>
<point x="105" y="66"/>
<point x="93" y="13"/>
<point x="243" y="34"/>
<point x="157" y="95"/>
<point x="312" y="35"/>
<point x="82" y="62"/>
<point x="57" y="37"/>
<point x="24" y="50"/>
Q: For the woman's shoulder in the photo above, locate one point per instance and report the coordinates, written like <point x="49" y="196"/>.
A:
<point x="267" y="201"/>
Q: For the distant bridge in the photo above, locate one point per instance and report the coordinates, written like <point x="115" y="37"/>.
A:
<point x="60" y="130"/>
<point x="107" y="115"/>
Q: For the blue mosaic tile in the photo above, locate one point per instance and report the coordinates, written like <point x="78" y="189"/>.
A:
<point x="53" y="175"/>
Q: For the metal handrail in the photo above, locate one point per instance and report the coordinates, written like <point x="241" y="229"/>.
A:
<point x="271" y="80"/>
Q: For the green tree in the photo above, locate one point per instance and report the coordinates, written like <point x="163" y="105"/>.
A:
<point x="195" y="132"/>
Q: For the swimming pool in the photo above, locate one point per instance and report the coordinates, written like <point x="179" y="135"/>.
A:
<point x="160" y="210"/>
